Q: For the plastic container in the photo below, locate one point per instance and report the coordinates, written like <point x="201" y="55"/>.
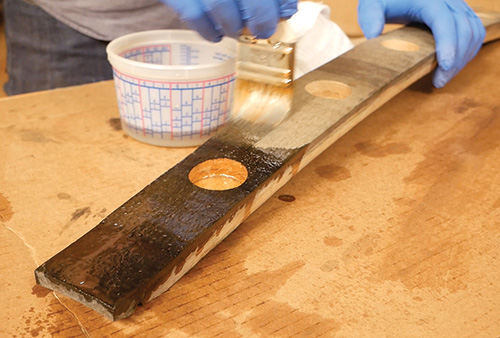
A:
<point x="173" y="87"/>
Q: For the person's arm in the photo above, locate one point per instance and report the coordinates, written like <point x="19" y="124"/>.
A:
<point x="214" y="19"/>
<point x="457" y="30"/>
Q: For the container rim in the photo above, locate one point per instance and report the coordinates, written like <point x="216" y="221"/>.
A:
<point x="115" y="47"/>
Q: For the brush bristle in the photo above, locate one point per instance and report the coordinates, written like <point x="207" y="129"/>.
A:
<point x="261" y="103"/>
<point x="263" y="92"/>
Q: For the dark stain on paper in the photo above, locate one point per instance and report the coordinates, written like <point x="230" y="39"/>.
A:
<point x="333" y="172"/>
<point x="78" y="213"/>
<point x="115" y="123"/>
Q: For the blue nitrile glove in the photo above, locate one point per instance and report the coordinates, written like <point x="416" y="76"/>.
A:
<point x="457" y="30"/>
<point x="214" y="19"/>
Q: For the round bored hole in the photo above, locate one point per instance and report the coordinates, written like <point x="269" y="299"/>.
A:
<point x="400" y="45"/>
<point x="218" y="174"/>
<point x="329" y="89"/>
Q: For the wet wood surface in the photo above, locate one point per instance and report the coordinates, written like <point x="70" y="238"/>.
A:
<point x="142" y="248"/>
<point x="391" y="231"/>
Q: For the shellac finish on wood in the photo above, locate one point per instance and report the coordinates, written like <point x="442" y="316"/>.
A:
<point x="142" y="248"/>
<point x="391" y="231"/>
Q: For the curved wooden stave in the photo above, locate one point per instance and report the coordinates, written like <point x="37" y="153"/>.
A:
<point x="146" y="245"/>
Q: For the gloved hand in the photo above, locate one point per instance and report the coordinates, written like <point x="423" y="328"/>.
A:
<point x="215" y="18"/>
<point x="457" y="30"/>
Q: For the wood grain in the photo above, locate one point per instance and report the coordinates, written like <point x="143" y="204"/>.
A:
<point x="390" y="232"/>
<point x="143" y="247"/>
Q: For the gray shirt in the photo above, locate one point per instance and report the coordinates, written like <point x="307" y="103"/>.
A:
<point x="108" y="19"/>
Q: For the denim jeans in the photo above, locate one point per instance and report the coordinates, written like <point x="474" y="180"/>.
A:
<point x="43" y="53"/>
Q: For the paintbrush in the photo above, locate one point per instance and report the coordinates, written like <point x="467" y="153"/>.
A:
<point x="264" y="68"/>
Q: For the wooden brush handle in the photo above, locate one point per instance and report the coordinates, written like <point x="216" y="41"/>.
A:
<point x="146" y="245"/>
